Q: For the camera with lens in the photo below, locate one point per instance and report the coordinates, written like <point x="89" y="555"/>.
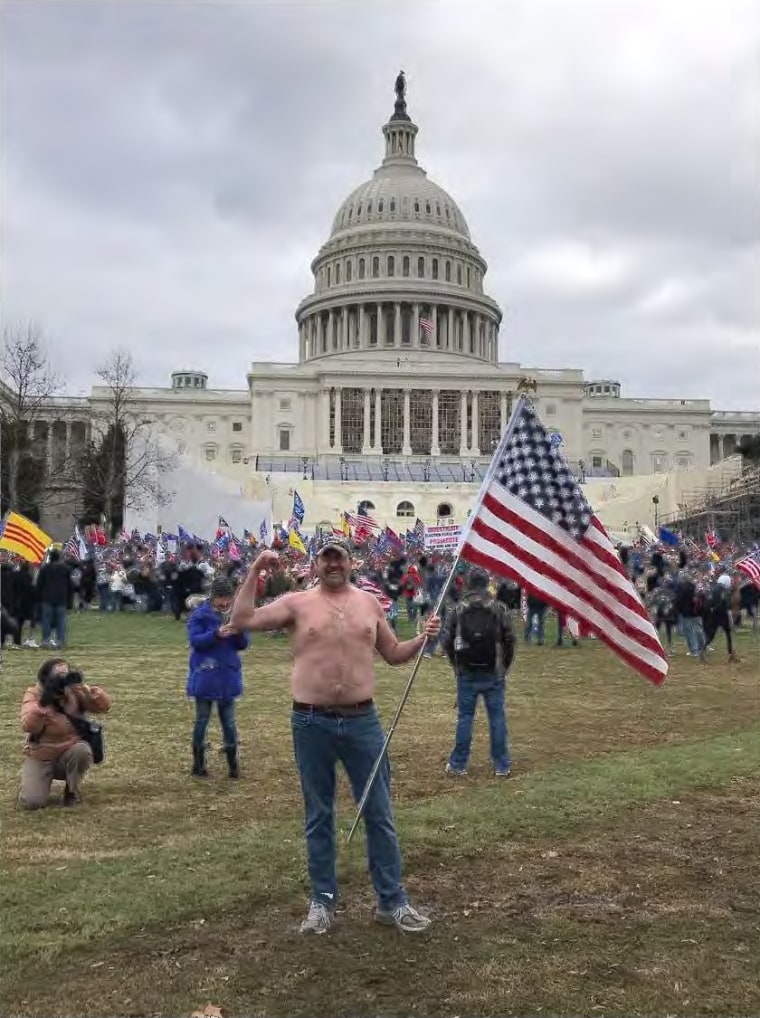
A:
<point x="54" y="687"/>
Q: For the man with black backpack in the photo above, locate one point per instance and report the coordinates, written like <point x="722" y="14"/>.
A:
<point x="479" y="641"/>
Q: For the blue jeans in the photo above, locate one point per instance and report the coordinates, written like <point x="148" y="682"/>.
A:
<point x="226" y="709"/>
<point x="53" y="616"/>
<point x="692" y="630"/>
<point x="491" y="687"/>
<point x="320" y="742"/>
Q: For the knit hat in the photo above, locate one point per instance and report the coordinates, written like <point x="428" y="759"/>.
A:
<point x="222" y="587"/>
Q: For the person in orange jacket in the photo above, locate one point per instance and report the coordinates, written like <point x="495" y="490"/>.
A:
<point x="53" y="749"/>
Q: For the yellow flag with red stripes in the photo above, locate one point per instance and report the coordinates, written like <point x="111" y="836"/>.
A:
<point x="24" y="538"/>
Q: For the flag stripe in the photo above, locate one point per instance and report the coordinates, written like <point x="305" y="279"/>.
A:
<point x="590" y="558"/>
<point x="525" y="542"/>
<point x="12" y="532"/>
<point x="490" y="557"/>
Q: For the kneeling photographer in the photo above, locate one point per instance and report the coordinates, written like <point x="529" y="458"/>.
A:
<point x="61" y="744"/>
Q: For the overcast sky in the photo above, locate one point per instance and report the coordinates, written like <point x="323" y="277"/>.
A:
<point x="170" y="169"/>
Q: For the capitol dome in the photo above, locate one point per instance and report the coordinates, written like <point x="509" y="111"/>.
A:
<point x="399" y="269"/>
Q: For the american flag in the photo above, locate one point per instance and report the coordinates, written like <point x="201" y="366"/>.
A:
<point x="361" y="520"/>
<point x="428" y="327"/>
<point x="71" y="549"/>
<point x="364" y="583"/>
<point x="534" y="526"/>
<point x="712" y="539"/>
<point x="750" y="566"/>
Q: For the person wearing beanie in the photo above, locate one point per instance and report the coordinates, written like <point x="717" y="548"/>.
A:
<point x="215" y="673"/>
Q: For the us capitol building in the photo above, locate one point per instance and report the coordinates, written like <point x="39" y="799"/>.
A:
<point x="398" y="394"/>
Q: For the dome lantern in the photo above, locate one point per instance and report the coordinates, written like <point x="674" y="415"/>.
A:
<point x="400" y="132"/>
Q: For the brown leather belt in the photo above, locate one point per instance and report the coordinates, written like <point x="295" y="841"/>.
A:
<point x="340" y="710"/>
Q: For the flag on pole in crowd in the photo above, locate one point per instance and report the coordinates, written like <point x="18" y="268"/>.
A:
<point x="295" y="541"/>
<point x="70" y="550"/>
<point x="750" y="566"/>
<point x="264" y="532"/>
<point x="81" y="544"/>
<point x="669" y="537"/>
<point x="532" y="524"/>
<point x="344" y="525"/>
<point x="361" y="519"/>
<point x="24" y="538"/>
<point x="299" y="509"/>
<point x="184" y="536"/>
<point x="234" y="552"/>
<point x="394" y="541"/>
<point x="712" y="540"/>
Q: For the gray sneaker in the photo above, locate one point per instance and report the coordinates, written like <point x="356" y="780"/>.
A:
<point x="319" y="919"/>
<point x="404" y="918"/>
<point x="448" y="769"/>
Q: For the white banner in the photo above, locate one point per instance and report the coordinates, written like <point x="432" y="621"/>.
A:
<point x="443" y="537"/>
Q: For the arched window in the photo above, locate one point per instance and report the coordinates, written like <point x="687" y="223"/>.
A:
<point x="427" y="207"/>
<point x="337" y="273"/>
<point x="369" y="208"/>
<point x="434" y="268"/>
<point x="438" y="209"/>
<point x="420" y="267"/>
<point x="626" y="463"/>
<point x="375" y="267"/>
<point x="349" y="272"/>
<point x="405" y="266"/>
<point x="350" y="213"/>
<point x="444" y="511"/>
<point x="380" y="206"/>
<point x="361" y="268"/>
<point x="405" y="509"/>
<point x="468" y="276"/>
<point x="459" y="275"/>
<point x="365" y="507"/>
<point x="393" y="204"/>
<point x="448" y="272"/>
<point x="328" y="275"/>
<point x="416" y="206"/>
<point x="448" y="214"/>
<point x="391" y="266"/>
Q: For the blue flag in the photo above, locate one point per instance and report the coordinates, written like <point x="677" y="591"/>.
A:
<point x="299" y="509"/>
<point x="668" y="537"/>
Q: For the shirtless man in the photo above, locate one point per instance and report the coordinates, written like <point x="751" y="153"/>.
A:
<point x="335" y="630"/>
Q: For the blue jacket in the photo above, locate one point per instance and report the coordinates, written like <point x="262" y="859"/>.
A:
<point x="215" y="669"/>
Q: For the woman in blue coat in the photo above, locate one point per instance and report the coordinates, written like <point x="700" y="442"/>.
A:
<point x="215" y="673"/>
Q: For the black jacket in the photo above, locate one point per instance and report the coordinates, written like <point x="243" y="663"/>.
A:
<point x="54" y="584"/>
<point x="505" y="636"/>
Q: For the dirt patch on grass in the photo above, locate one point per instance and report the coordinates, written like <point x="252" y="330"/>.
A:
<point x="658" y="916"/>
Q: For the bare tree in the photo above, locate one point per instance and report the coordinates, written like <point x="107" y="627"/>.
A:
<point x="125" y="466"/>
<point x="29" y="382"/>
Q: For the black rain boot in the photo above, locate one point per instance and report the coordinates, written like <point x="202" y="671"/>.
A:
<point x="199" y="762"/>
<point x="232" y="761"/>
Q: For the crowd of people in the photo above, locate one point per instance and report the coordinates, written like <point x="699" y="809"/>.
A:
<point x="340" y="607"/>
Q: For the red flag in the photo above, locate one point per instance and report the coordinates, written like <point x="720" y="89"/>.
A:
<point x="534" y="525"/>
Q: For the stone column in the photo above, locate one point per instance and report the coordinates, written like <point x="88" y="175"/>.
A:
<point x="67" y="447"/>
<point x="463" y="424"/>
<point x="407" y="447"/>
<point x="366" y="446"/>
<point x="380" y="326"/>
<point x="378" y="447"/>
<point x="338" y="447"/>
<point x="362" y="328"/>
<point x="344" y="343"/>
<point x="397" y="325"/>
<point x="330" y="331"/>
<point x="475" y="445"/>
<point x="503" y="409"/>
<point x="415" y="336"/>
<point x="434" y="320"/>
<point x="435" y="449"/>
<point x="324" y="422"/>
<point x="450" y="337"/>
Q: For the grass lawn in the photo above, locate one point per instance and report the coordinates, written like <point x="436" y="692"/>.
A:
<point x="615" y="873"/>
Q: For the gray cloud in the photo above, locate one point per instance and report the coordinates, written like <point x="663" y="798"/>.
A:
<point x="170" y="170"/>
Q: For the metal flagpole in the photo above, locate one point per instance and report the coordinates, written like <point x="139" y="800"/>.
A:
<point x="410" y="682"/>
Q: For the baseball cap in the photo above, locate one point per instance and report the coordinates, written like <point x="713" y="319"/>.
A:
<point x="334" y="544"/>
